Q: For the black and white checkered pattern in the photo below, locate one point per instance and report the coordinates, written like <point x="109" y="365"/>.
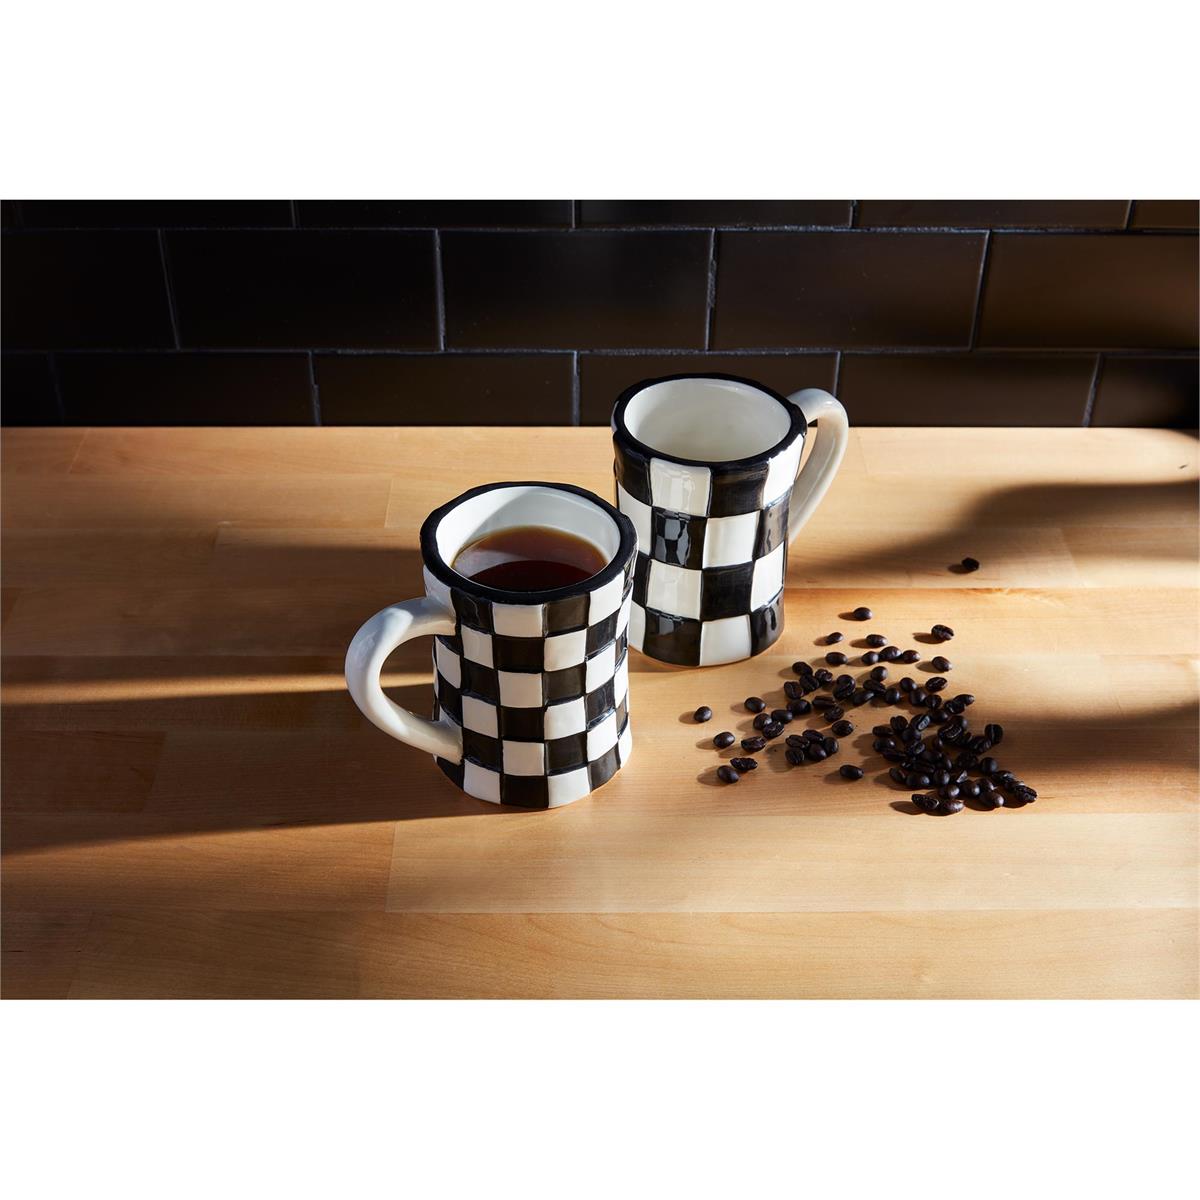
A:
<point x="540" y="691"/>
<point x="712" y="552"/>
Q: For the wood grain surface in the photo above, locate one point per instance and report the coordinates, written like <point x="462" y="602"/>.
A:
<point x="192" y="806"/>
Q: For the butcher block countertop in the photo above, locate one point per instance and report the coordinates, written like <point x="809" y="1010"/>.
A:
<point x="193" y="807"/>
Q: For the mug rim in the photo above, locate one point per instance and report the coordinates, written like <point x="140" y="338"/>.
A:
<point x="798" y="428"/>
<point x="446" y="574"/>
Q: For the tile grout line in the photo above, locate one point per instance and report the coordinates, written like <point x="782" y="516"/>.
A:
<point x="167" y="283"/>
<point x="295" y="214"/>
<point x="575" y="403"/>
<point x="1089" y="407"/>
<point x="439" y="289"/>
<point x="984" y="260"/>
<point x="711" y="299"/>
<point x="315" y="388"/>
<point x="1129" y="214"/>
<point x="854" y="214"/>
<point x="837" y="374"/>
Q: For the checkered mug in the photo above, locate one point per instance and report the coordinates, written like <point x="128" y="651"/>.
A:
<point x="708" y="469"/>
<point x="531" y="689"/>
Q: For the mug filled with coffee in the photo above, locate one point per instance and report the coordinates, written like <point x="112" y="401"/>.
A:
<point x="527" y="596"/>
<point x="708" y="470"/>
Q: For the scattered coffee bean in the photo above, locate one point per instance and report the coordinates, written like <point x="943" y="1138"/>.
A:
<point x="883" y="731"/>
<point x="917" y="780"/>
<point x="907" y="683"/>
<point x="893" y="695"/>
<point x="850" y="771"/>
<point x="874" y="686"/>
<point x="823" y="676"/>
<point x="860" y="697"/>
<point x="754" y="704"/>
<point x="813" y="735"/>
<point x="799" y="708"/>
<point x="761" y="720"/>
<point x="876" y="640"/>
<point x="835" y="658"/>
<point x="794" y="755"/>
<point x="910" y="656"/>
<point x="702" y="714"/>
<point x="953" y="707"/>
<point x="941" y="778"/>
<point x="832" y="746"/>
<point x="879" y="673"/>
<point x="724" y="740"/>
<point x="744" y="764"/>
<point x="949" y="806"/>
<point x="816" y="753"/>
<point x="918" y="696"/>
<point x="844" y="681"/>
<point x="772" y="729"/>
<point x="936" y="684"/>
<point x="862" y="613"/>
<point x="832" y="639"/>
<point x="970" y="564"/>
<point x="943" y="633"/>
<point x="792" y="690"/>
<point x="994" y="733"/>
<point x="971" y="789"/>
<point x="801" y="668"/>
<point x="726" y="774"/>
<point x="794" y="739"/>
<point x="836" y="713"/>
<point x="938" y="663"/>
<point x="949" y="791"/>
<point x="920" y="723"/>
<point x="843" y="728"/>
<point x="989" y="766"/>
<point x="898" y="723"/>
<point x="870" y="658"/>
<point x="928" y="803"/>
<point x="752" y="745"/>
<point x="894" y="756"/>
<point x="898" y="776"/>
<point x="781" y="716"/>
<point x="884" y="743"/>
<point x="890" y="654"/>
<point x="965" y="699"/>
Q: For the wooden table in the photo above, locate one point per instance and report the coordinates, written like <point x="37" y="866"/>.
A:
<point x="194" y="807"/>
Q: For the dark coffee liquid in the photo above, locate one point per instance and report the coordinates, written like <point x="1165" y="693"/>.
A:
<point x="529" y="558"/>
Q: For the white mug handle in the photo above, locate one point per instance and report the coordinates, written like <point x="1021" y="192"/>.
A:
<point x="368" y="652"/>
<point x="829" y="446"/>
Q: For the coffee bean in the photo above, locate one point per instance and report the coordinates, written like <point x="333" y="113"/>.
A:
<point x="792" y="690"/>
<point x="965" y="699"/>
<point x="702" y="714"/>
<point x="943" y="633"/>
<point x="916" y="780"/>
<point x="890" y="653"/>
<point x="794" y="739"/>
<point x="910" y="656"/>
<point x="859" y="697"/>
<point x="971" y="789"/>
<point x="835" y="714"/>
<point x="835" y="658"/>
<point x="941" y="778"/>
<point x="874" y="687"/>
<point x="823" y="675"/>
<point x="936" y="684"/>
<point x="879" y="673"/>
<point x="938" y="663"/>
<point x="761" y="720"/>
<point x="953" y="707"/>
<point x="989" y="766"/>
<point x="832" y="746"/>
<point x="893" y="695"/>
<point x="752" y="745"/>
<point x="862" y="613"/>
<point x="876" y="640"/>
<point x="816" y="753"/>
<point x="823" y="702"/>
<point x="801" y="668"/>
<point x="894" y="756"/>
<point x="781" y="716"/>
<point x="772" y="729"/>
<point x="918" y="696"/>
<point x="832" y="639"/>
<point x="724" y="740"/>
<point x="1024" y="793"/>
<point x="920" y="723"/>
<point x="850" y="771"/>
<point x="986" y="785"/>
<point x="928" y="803"/>
<point x="884" y="743"/>
<point x="754" y="704"/>
<point x="907" y="683"/>
<point x="979" y="744"/>
<point x="870" y="658"/>
<point x="813" y="735"/>
<point x="795" y="756"/>
<point x="994" y="733"/>
<point x="843" y="681"/>
<point x="883" y="731"/>
<point x="843" y="691"/>
<point x="727" y="774"/>
<point x="898" y="723"/>
<point x="799" y="708"/>
<point x="898" y="776"/>
<point x="970" y="564"/>
<point x="744" y="764"/>
<point x="949" y="806"/>
<point x="949" y="792"/>
<point x="843" y="728"/>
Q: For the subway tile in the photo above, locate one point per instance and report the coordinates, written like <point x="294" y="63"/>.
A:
<point x="575" y="289"/>
<point x="603" y="377"/>
<point x="27" y="390"/>
<point x="1090" y="291"/>
<point x="445" y="389"/>
<point x="965" y="389"/>
<point x="435" y="214"/>
<point x="1165" y="214"/>
<point x="714" y="212"/>
<point x="1147" y="391"/>
<point x="845" y="289"/>
<point x="186" y="389"/>
<point x="994" y="214"/>
<point x="307" y="288"/>
<point x="83" y="291"/>
<point x="125" y="214"/>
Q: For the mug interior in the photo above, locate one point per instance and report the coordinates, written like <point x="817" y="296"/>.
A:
<point x="708" y="420"/>
<point x="504" y="507"/>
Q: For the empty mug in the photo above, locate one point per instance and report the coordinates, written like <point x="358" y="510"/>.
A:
<point x="530" y="687"/>
<point x="706" y="469"/>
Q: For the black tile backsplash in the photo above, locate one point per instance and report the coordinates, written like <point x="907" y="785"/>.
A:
<point x="304" y="288"/>
<point x="83" y="290"/>
<point x="527" y="312"/>
<point x="445" y="389"/>
<point x="846" y="289"/>
<point x="576" y="289"/>
<point x="186" y="389"/>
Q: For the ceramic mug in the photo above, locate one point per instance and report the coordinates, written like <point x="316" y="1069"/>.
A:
<point x="531" y="688"/>
<point x="706" y="469"/>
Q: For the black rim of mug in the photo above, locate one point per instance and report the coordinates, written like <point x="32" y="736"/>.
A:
<point x="445" y="573"/>
<point x="799" y="426"/>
